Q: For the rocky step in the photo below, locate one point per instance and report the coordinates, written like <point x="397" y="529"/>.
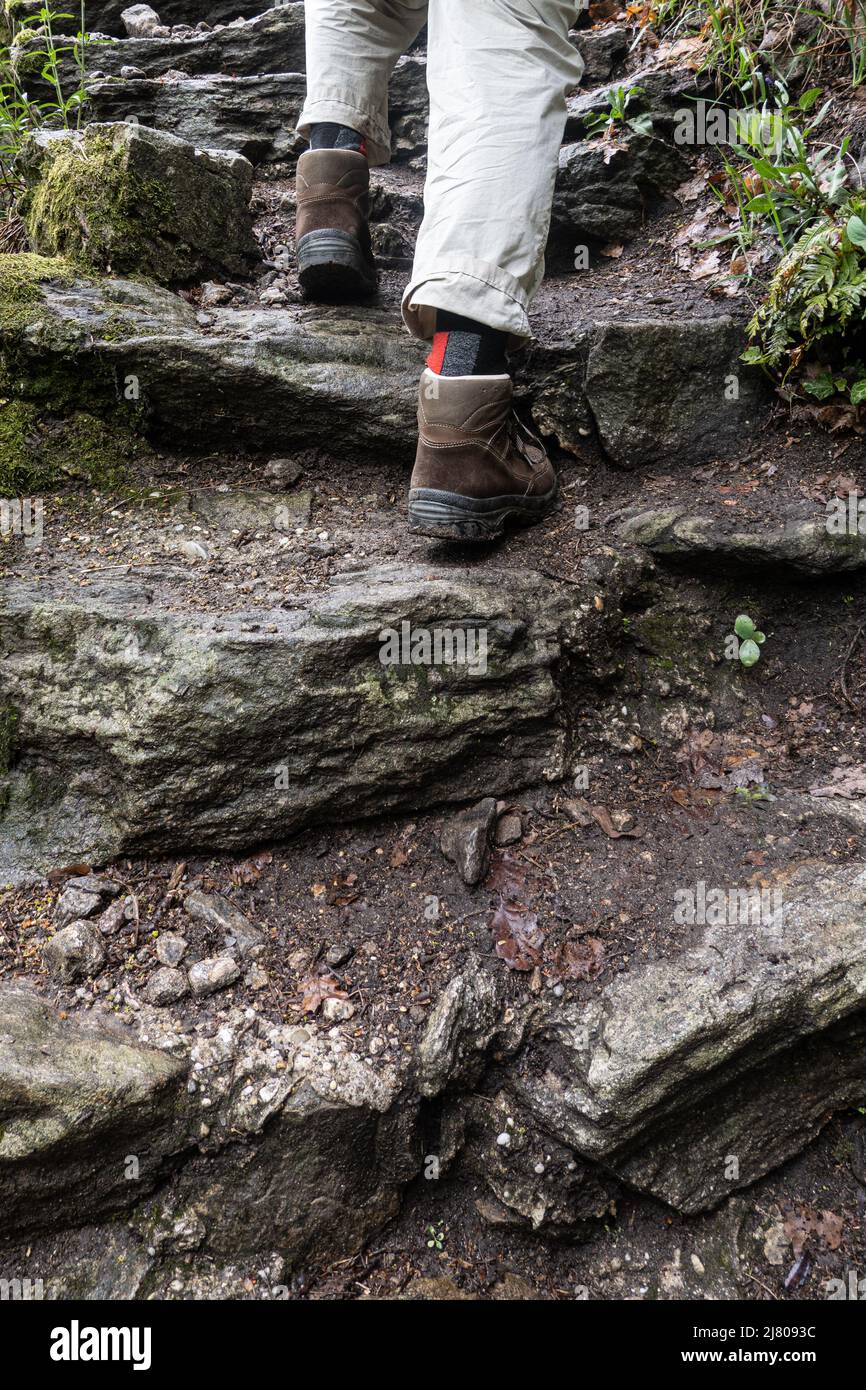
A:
<point x="137" y="357"/>
<point x="270" y="42"/>
<point x="805" y="539"/>
<point x="686" y="1077"/>
<point x="158" y="723"/>
<point x="104" y="16"/>
<point x="255" y="112"/>
<point x="690" y="1077"/>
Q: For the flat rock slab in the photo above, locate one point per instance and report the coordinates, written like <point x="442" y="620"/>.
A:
<point x="660" y="1079"/>
<point x="269" y="42"/>
<point x="160" y="728"/>
<point x="802" y="544"/>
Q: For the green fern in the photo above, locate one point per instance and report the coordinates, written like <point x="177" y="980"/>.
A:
<point x="818" y="291"/>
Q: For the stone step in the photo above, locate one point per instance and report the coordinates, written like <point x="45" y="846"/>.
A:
<point x="253" y="114"/>
<point x="803" y="540"/>
<point x="136" y="357"/>
<point x="104" y="16"/>
<point x="135" y="720"/>
<point x="738" y="1048"/>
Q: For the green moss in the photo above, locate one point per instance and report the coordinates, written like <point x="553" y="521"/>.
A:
<point x="88" y="206"/>
<point x="20" y="279"/>
<point x="37" y="453"/>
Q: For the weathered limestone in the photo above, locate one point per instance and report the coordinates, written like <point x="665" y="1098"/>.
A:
<point x="254" y="114"/>
<point x="603" y="194"/>
<point x="158" y="728"/>
<point x="653" y="388"/>
<point x="304" y="1150"/>
<point x="73" y="1105"/>
<point x="740" y="1047"/>
<point x="803" y="544"/>
<point x="124" y="198"/>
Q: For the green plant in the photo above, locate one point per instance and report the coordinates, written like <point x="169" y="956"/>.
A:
<point x="37" y="50"/>
<point x="845" y="21"/>
<point x="435" y="1237"/>
<point x="751" y="640"/>
<point x="750" y="795"/>
<point x="782" y="182"/>
<point x="818" y="291"/>
<point x="618" y="118"/>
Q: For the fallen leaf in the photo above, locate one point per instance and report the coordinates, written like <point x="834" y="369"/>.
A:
<point x="849" y="782"/>
<point x="601" y="816"/>
<point x="250" y="870"/>
<point x="578" y="960"/>
<point x="518" y="939"/>
<point x="71" y="871"/>
<point x="315" y="989"/>
<point x="177" y="874"/>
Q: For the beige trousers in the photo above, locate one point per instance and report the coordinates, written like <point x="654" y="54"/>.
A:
<point x="498" y="72"/>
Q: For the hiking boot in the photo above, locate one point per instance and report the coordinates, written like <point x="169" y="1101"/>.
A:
<point x="332" y="235"/>
<point x="477" y="465"/>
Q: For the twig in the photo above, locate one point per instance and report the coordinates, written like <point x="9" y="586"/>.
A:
<point x="763" y="1286"/>
<point x="843" y="676"/>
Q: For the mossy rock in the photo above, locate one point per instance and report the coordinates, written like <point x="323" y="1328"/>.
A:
<point x="21" y="278"/>
<point x="124" y="199"/>
<point x="37" y="452"/>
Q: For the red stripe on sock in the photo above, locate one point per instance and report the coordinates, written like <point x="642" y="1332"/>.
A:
<point x="437" y="356"/>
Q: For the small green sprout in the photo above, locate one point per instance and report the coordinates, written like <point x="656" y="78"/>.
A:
<point x="436" y="1237"/>
<point x="750" y="640"/>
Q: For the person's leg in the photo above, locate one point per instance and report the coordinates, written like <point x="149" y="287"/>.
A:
<point x="352" y="46"/>
<point x="498" y="73"/>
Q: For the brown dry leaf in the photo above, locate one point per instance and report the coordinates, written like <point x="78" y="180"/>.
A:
<point x="344" y="890"/>
<point x="177" y="874"/>
<point x="849" y="782"/>
<point x="71" y="871"/>
<point x="708" y="267"/>
<point x="315" y="989"/>
<point x="250" y="870"/>
<point x="518" y="939"/>
<point x="578" y="960"/>
<point x="691" y="189"/>
<point x="507" y="876"/>
<point x="828" y="1227"/>
<point x="831" y="1229"/>
<point x="601" y="815"/>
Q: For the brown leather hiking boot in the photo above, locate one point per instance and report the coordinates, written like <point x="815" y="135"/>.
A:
<point x="332" y="235"/>
<point x="477" y="466"/>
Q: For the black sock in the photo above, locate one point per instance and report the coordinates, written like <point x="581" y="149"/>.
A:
<point x="462" y="347"/>
<point x="327" y="135"/>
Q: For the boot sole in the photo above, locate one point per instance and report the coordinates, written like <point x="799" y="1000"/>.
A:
<point x="448" y="516"/>
<point x="332" y="268"/>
